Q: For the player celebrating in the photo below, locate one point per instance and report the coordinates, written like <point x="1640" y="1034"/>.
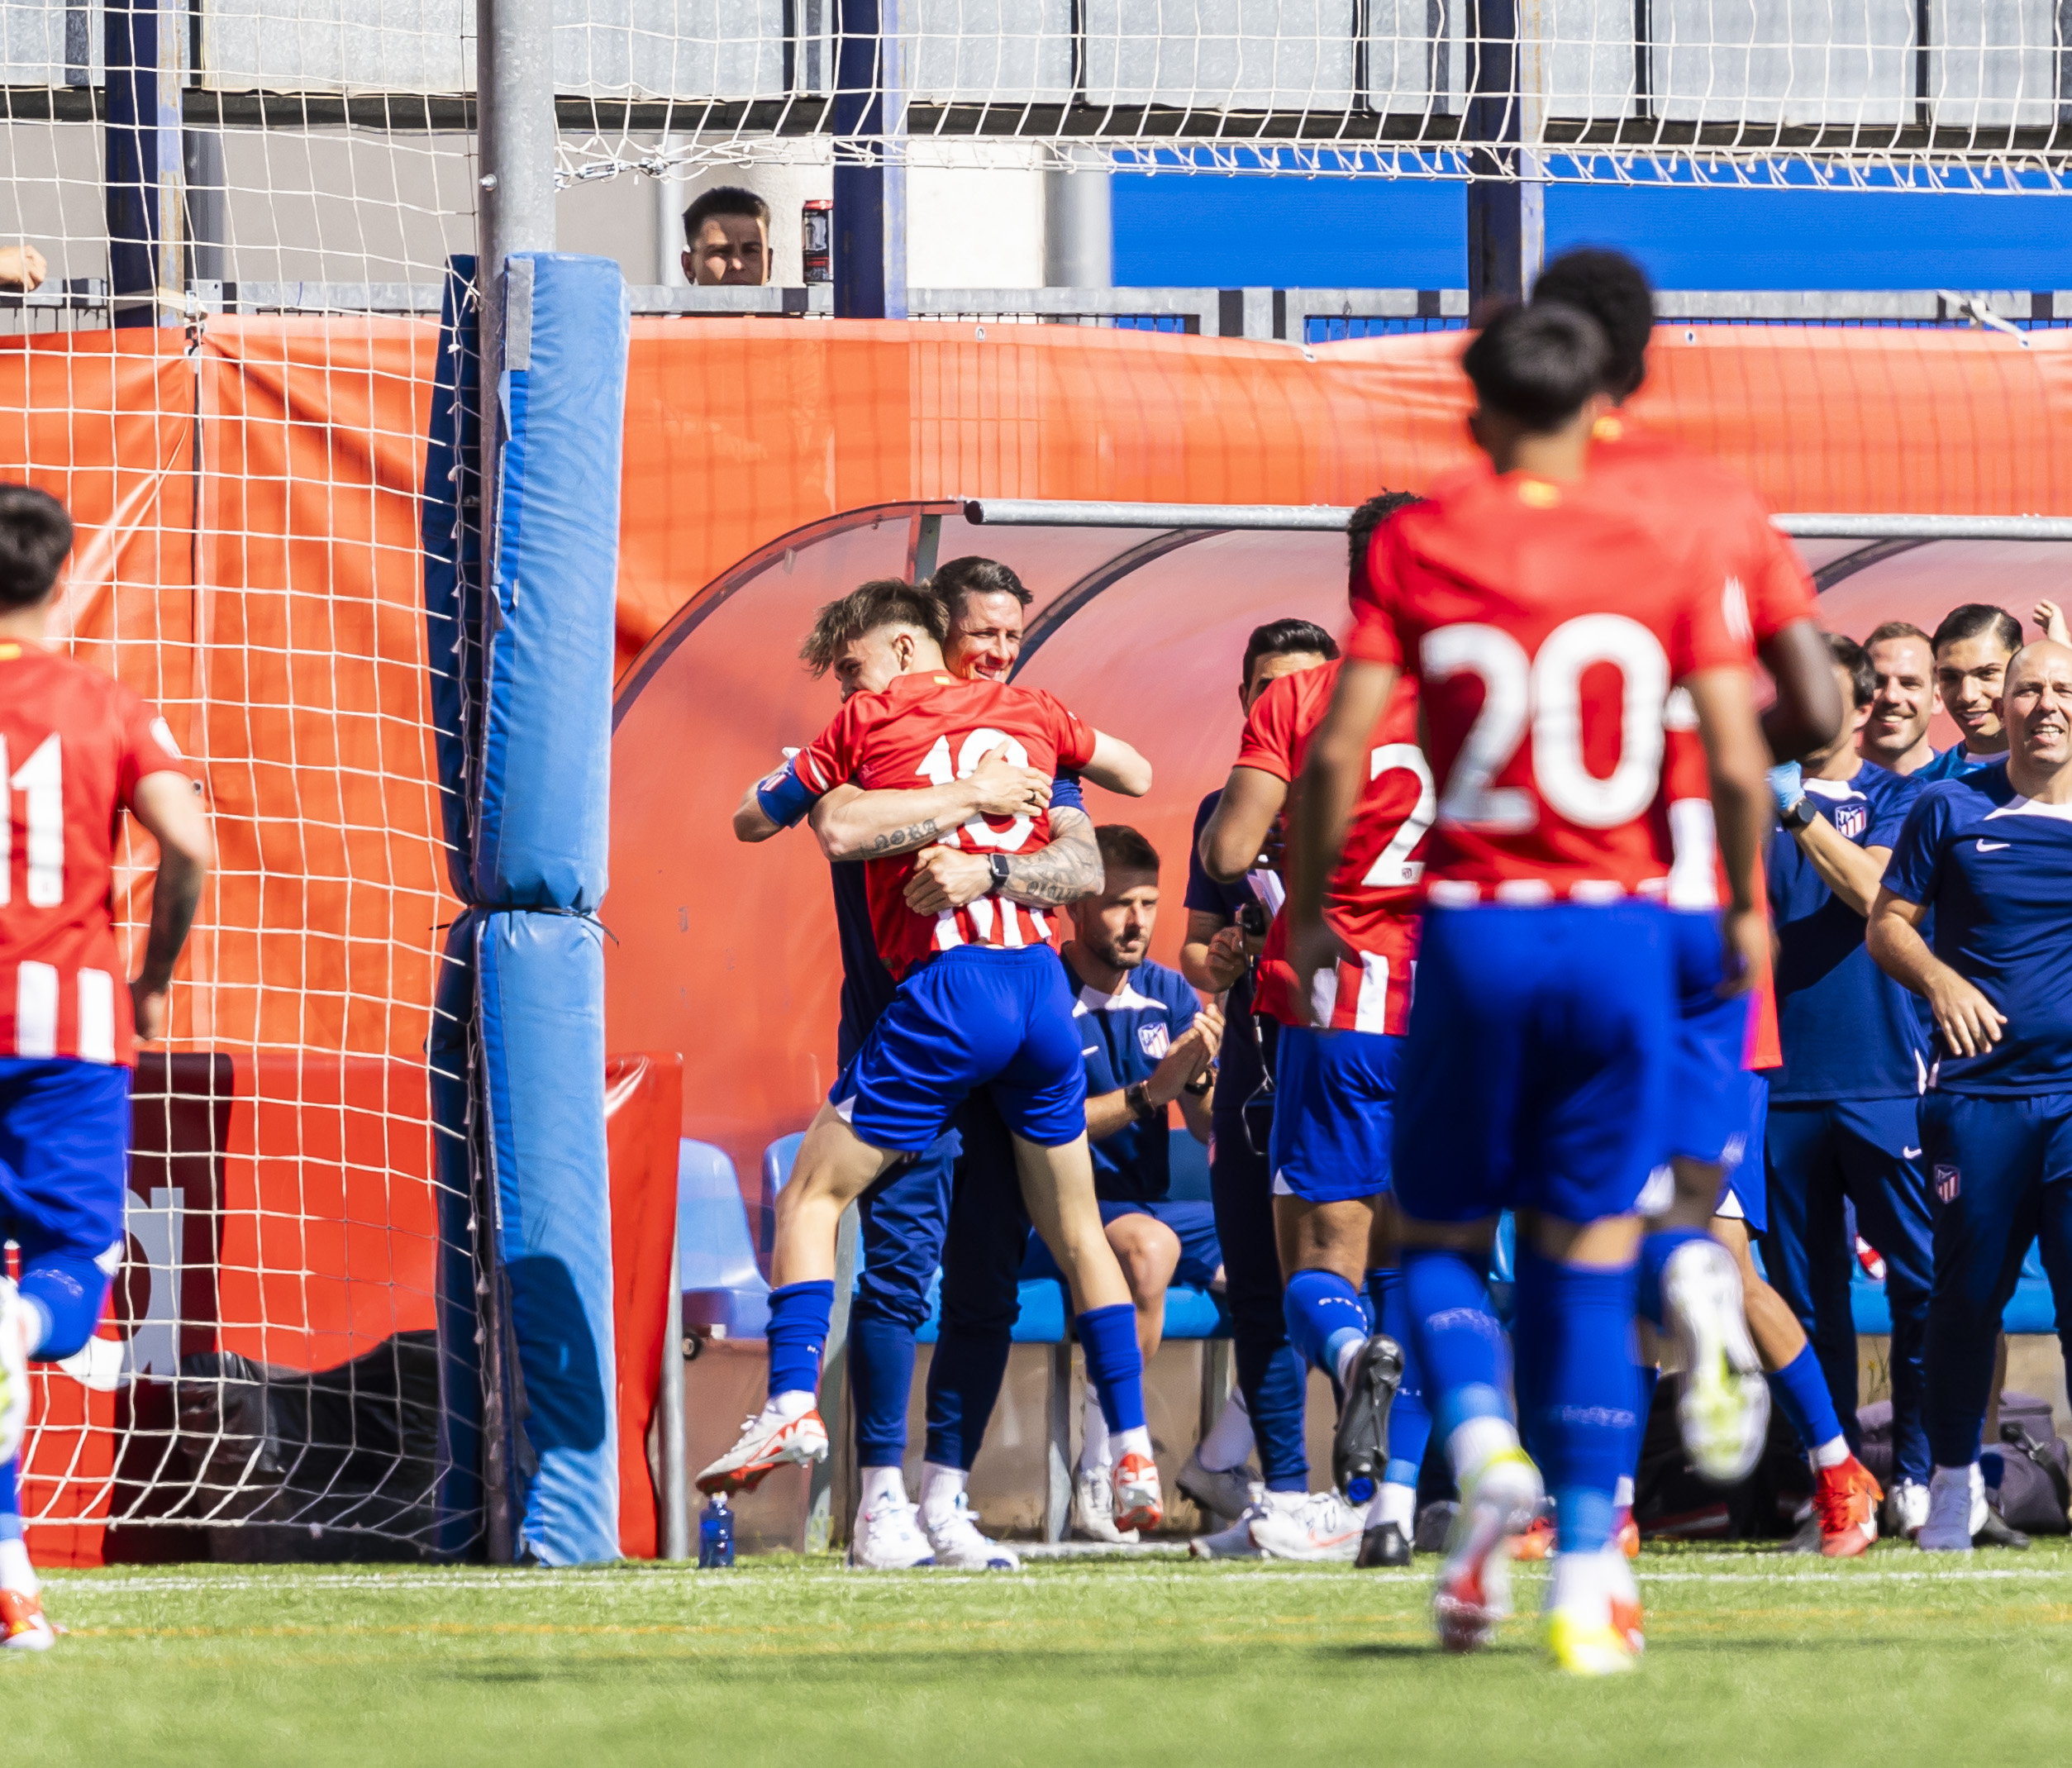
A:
<point x="1535" y="1073"/>
<point x="1333" y="1096"/>
<point x="982" y="1002"/>
<point x="1988" y="853"/>
<point x="76" y="749"/>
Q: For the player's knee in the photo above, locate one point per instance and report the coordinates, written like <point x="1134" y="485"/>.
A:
<point x="1149" y="1253"/>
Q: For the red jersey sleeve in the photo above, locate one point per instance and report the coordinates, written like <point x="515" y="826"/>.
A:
<point x="1710" y="628"/>
<point x="1374" y="638"/>
<point x="1270" y="734"/>
<point x="1779" y="589"/>
<point x="147" y="746"/>
<point x="1072" y="740"/>
<point x="831" y="758"/>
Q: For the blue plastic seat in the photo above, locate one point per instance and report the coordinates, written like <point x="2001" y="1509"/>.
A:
<point x="724" y="1289"/>
<point x="2031" y="1309"/>
<point x="778" y="1160"/>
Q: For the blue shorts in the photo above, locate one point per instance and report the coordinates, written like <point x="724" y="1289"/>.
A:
<point x="1708" y="1087"/>
<point x="1743" y="1191"/>
<point x="973" y="1016"/>
<point x="1535" y="1074"/>
<point x="65" y="1156"/>
<point x="1195" y="1223"/>
<point x="1334" y="1097"/>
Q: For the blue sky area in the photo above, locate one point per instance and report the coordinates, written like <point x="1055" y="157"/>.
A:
<point x="1205" y="230"/>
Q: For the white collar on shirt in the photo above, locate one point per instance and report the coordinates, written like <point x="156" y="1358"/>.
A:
<point x="2019" y="806"/>
<point x="1125" y="1000"/>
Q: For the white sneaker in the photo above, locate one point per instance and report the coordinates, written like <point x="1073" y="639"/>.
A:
<point x="14" y="1371"/>
<point x="889" y="1539"/>
<point x="1094" y="1506"/>
<point x="959" y="1546"/>
<point x="1724" y="1409"/>
<point x="1906" y="1508"/>
<point x="1497" y="1502"/>
<point x="767" y="1443"/>
<point x="1956" y="1494"/>
<point x="1306" y="1526"/>
<point x="1234" y="1543"/>
<point x="1225" y="1491"/>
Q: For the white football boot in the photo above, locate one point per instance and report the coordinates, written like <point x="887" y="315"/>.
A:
<point x="1311" y="1526"/>
<point x="888" y="1538"/>
<point x="769" y="1441"/>
<point x="1724" y="1409"/>
<point x="1234" y="1543"/>
<point x="958" y="1547"/>
<point x="1093" y="1507"/>
<point x="1498" y="1503"/>
<point x="1906" y="1508"/>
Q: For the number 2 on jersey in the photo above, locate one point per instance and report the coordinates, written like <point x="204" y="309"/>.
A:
<point x="40" y="780"/>
<point x="1393" y="868"/>
<point x="978" y="832"/>
<point x="1545" y="693"/>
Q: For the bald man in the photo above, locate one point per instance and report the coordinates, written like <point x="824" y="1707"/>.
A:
<point x="1989" y="855"/>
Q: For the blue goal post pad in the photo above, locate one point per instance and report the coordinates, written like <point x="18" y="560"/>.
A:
<point x="541" y="978"/>
<point x="541" y="826"/>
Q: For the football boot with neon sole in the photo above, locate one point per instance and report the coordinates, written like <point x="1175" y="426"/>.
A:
<point x="1139" y="1504"/>
<point x="959" y="1546"/>
<point x="1596" y="1628"/>
<point x="23" y="1625"/>
<point x="1724" y="1409"/>
<point x="1587" y="1648"/>
<point x="1474" y="1591"/>
<point x="888" y="1538"/>
<point x="766" y="1444"/>
<point x="1845" y="1499"/>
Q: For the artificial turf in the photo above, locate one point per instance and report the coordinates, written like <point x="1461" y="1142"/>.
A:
<point x="1893" y="1658"/>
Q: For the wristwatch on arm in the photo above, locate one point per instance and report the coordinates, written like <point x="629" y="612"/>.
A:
<point x="1198" y="1087"/>
<point x="996" y="864"/>
<point x="1137" y="1097"/>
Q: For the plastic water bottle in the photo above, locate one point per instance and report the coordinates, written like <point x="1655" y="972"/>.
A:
<point x="716" y="1535"/>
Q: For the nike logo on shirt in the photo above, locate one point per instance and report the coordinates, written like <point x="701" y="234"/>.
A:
<point x="1991" y="846"/>
<point x="1910" y="1154"/>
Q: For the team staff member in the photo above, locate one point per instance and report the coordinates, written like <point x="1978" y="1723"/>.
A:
<point x="1148" y="1043"/>
<point x="1903" y="660"/>
<point x="1973" y="646"/>
<point x="1989" y="856"/>
<point x="1216" y="956"/>
<point x="1842" y="1123"/>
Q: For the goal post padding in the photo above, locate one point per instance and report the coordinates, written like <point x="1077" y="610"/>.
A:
<point x="525" y="751"/>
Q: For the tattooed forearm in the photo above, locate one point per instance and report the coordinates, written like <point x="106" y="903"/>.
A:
<point x="901" y="840"/>
<point x="1065" y="870"/>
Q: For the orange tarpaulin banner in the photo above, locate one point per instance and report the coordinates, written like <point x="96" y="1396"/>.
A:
<point x="739" y="431"/>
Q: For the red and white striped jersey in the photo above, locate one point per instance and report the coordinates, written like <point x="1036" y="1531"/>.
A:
<point x="1371" y="902"/>
<point x="928" y="729"/>
<point x="74" y="744"/>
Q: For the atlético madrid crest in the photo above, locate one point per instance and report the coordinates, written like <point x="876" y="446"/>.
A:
<point x="1852" y="819"/>
<point x="1154" y="1040"/>
<point x="1948" y="1181"/>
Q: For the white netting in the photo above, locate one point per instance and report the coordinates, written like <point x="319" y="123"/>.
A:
<point x="246" y="475"/>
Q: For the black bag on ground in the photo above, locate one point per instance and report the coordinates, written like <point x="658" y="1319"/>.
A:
<point x="2035" y="1487"/>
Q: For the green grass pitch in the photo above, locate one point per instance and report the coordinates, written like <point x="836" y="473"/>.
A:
<point x="1895" y="1659"/>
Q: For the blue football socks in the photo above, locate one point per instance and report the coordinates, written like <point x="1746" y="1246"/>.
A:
<point x="1114" y="1365"/>
<point x="1409" y="1418"/>
<point x="1801" y="1390"/>
<point x="1326" y="1315"/>
<point x="1580" y="1387"/>
<point x="797" y="1334"/>
<point x="1458" y="1341"/>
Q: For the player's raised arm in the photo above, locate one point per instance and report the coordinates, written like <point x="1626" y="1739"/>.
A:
<point x="167" y="804"/>
<point x="1738" y="760"/>
<point x="1116" y="767"/>
<point x="1807" y="713"/>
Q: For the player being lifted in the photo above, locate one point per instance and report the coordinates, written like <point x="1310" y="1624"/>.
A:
<point x="982" y="1002"/>
<point x="77" y="748"/>
<point x="1334" y="1091"/>
<point x="1544" y="628"/>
